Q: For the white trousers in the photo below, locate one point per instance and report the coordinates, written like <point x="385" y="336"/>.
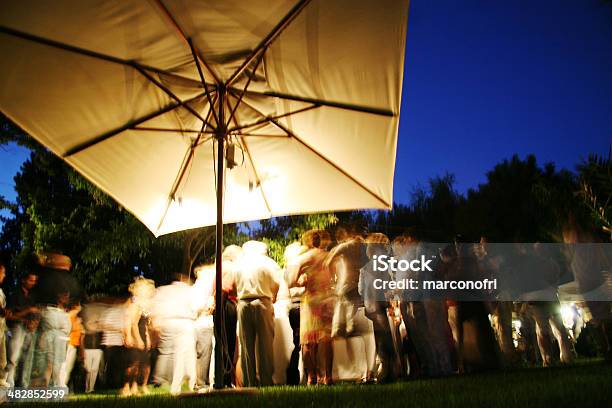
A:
<point x="68" y="365"/>
<point x="92" y="361"/>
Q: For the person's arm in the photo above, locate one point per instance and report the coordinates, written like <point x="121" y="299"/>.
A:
<point x="296" y="269"/>
<point x="337" y="251"/>
<point x="128" y="339"/>
<point x="20" y="315"/>
<point x="275" y="274"/>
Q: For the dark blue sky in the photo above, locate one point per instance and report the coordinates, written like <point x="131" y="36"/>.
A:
<point x="486" y="79"/>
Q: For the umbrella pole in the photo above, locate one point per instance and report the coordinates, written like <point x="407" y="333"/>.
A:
<point x="219" y="320"/>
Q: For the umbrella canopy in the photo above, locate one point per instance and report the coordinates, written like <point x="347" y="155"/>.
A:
<point x="305" y="93"/>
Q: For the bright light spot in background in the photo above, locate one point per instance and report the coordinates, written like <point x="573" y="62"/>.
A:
<point x="516" y="331"/>
<point x="568" y="314"/>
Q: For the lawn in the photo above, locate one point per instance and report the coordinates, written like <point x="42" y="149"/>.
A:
<point x="582" y="385"/>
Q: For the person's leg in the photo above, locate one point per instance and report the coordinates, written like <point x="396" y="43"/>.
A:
<point x="562" y="337"/>
<point x="543" y="333"/>
<point x="190" y="353"/>
<point x="325" y="353"/>
<point x="231" y="321"/>
<point x="15" y="346"/>
<point x="309" y="359"/>
<point x="88" y="365"/>
<point x="247" y="344"/>
<point x="293" y="371"/>
<point x="144" y="370"/>
<point x="27" y="357"/>
<point x="71" y="354"/>
<point x="184" y="355"/>
<point x="265" y="340"/>
<point x="3" y="360"/>
<point x="204" y="353"/>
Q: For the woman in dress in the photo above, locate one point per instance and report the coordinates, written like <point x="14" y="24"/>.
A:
<point x="137" y="337"/>
<point x="316" y="309"/>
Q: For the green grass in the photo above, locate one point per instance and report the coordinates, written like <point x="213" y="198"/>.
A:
<point x="583" y="385"/>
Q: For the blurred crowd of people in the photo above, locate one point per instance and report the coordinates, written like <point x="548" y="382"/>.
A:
<point x="165" y="334"/>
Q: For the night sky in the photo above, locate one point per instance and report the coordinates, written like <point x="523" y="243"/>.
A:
<point x="486" y="79"/>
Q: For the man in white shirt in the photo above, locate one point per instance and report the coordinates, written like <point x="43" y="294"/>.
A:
<point x="174" y="314"/>
<point x="257" y="282"/>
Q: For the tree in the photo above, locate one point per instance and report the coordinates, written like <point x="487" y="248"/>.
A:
<point x="520" y="202"/>
<point x="279" y="232"/>
<point x="595" y="181"/>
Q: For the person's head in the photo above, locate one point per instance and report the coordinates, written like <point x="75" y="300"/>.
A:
<point x="311" y="239"/>
<point x="232" y="253"/>
<point x="142" y="290"/>
<point x="29" y="280"/>
<point x="63" y="298"/>
<point x="401" y="244"/>
<point x="342" y="234"/>
<point x="54" y="260"/>
<point x="377" y="244"/>
<point x="201" y="271"/>
<point x="255" y="248"/>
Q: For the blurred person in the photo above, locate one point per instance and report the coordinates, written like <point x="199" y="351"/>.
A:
<point x="204" y="288"/>
<point x="346" y="259"/>
<point x="3" y="362"/>
<point x="316" y="308"/>
<point x="491" y="266"/>
<point x="22" y="316"/>
<point x="75" y="338"/>
<point x="547" y="315"/>
<point x="589" y="265"/>
<point x="475" y="341"/>
<point x="51" y="344"/>
<point x="137" y="337"/>
<point x="231" y="259"/>
<point x="413" y="309"/>
<point x="377" y="244"/>
<point x="174" y="312"/>
<point x="257" y="283"/>
<point x="292" y="251"/>
<point x="112" y="323"/>
<point x="92" y="343"/>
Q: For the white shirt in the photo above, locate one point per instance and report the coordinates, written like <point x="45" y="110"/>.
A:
<point x="257" y="276"/>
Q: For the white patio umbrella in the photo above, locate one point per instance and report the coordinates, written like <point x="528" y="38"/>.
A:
<point x="147" y="98"/>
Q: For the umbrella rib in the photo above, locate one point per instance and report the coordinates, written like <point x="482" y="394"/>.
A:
<point x="259" y="135"/>
<point x="155" y="129"/>
<point x="340" y="105"/>
<point x="322" y="157"/>
<point x="273" y="35"/>
<point x="182" y="34"/>
<point x="197" y="62"/>
<point x="88" y="53"/>
<point x="267" y="119"/>
<point x="172" y="95"/>
<point x="183" y="169"/>
<point x="131" y="124"/>
<point x="257" y="179"/>
<point x="246" y="86"/>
